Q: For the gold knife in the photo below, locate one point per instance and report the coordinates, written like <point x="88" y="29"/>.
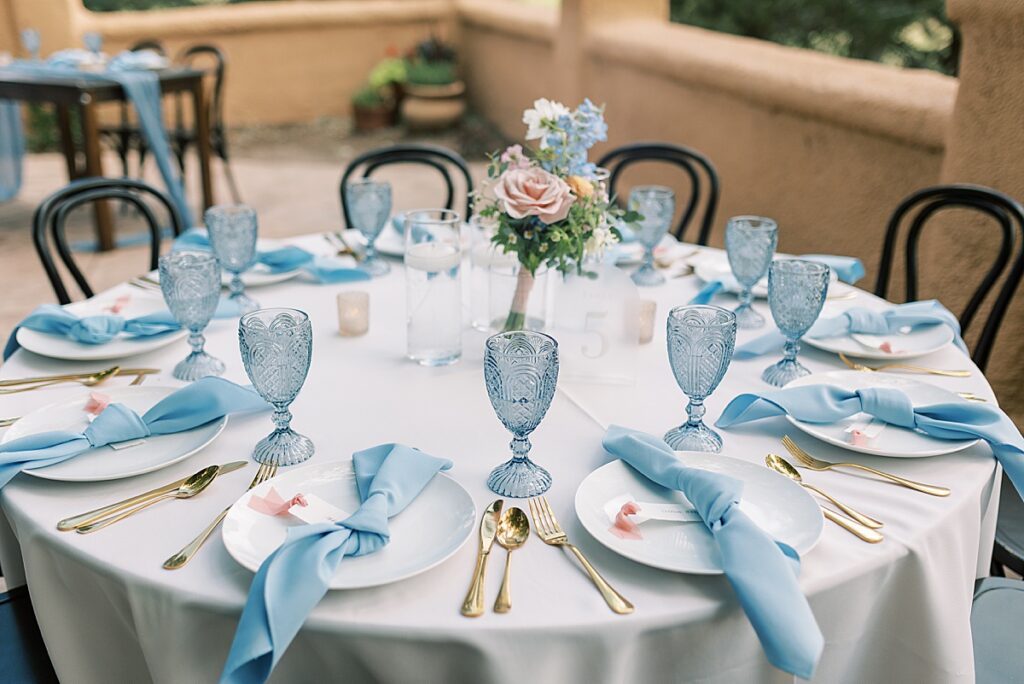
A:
<point x="75" y="376"/>
<point x="74" y="522"/>
<point x="473" y="606"/>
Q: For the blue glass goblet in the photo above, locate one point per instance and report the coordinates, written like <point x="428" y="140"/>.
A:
<point x="369" y="205"/>
<point x="796" y="293"/>
<point x="750" y="243"/>
<point x="656" y="204"/>
<point x="232" y="231"/>
<point x="701" y="339"/>
<point x="93" y="41"/>
<point x="277" y="347"/>
<point x="31" y="41"/>
<point x="520" y="371"/>
<point x="190" y="282"/>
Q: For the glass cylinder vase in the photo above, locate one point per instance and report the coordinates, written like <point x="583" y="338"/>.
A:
<point x="518" y="300"/>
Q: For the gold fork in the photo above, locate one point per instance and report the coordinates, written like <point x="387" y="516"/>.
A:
<point x="902" y="366"/>
<point x="264" y="473"/>
<point x="549" y="531"/>
<point x="814" y="464"/>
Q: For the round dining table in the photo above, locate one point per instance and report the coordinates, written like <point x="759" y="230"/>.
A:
<point x="898" y="610"/>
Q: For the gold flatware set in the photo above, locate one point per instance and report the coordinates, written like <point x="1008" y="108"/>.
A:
<point x="88" y="379"/>
<point x="341" y="245"/>
<point x="904" y="367"/>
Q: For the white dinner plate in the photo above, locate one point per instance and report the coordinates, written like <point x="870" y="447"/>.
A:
<point x="140" y="304"/>
<point x="779" y="506"/>
<point x="632" y="253"/>
<point x="715" y="266"/>
<point x="260" y="274"/>
<point x="893" y="440"/>
<point x="434" y="526"/>
<point x="107" y="463"/>
<point x="920" y="341"/>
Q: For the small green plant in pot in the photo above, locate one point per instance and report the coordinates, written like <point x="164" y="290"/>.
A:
<point x="373" y="108"/>
<point x="434" y="94"/>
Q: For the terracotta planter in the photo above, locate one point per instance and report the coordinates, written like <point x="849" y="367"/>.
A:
<point x="372" y="118"/>
<point x="433" y="107"/>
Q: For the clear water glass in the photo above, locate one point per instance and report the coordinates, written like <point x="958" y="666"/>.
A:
<point x="93" y="42"/>
<point x="233" y="229"/>
<point x="277" y="347"/>
<point x="31" y="41"/>
<point x="701" y="339"/>
<point x="750" y="242"/>
<point x="433" y="286"/>
<point x="190" y="282"/>
<point x="369" y="206"/>
<point x="521" y="372"/>
<point x="656" y="204"/>
<point x="796" y="293"/>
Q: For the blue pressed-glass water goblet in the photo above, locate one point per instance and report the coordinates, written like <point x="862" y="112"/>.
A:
<point x="93" y="41"/>
<point x="796" y="293"/>
<point x="656" y="204"/>
<point x="520" y="371"/>
<point x="750" y="242"/>
<point x="233" y="231"/>
<point x="190" y="282"/>
<point x="277" y="347"/>
<point x="369" y="206"/>
<point x="701" y="339"/>
<point x="31" y="42"/>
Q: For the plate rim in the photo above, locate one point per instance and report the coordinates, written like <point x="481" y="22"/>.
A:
<point x="866" y="353"/>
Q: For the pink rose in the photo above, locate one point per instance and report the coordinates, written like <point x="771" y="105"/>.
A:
<point x="534" y="192"/>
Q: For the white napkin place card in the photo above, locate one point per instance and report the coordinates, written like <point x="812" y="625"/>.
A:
<point x="860" y="432"/>
<point x="117" y="446"/>
<point x="317" y="510"/>
<point x="650" y="510"/>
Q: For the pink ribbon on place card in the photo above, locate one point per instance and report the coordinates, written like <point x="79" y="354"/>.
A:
<point x="119" y="304"/>
<point x="624" y="528"/>
<point x="96" y="403"/>
<point x="274" y="504"/>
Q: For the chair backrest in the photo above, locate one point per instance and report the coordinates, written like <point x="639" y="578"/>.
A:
<point x="188" y="57"/>
<point x="1009" y="262"/>
<point x="51" y="216"/>
<point x="690" y="161"/>
<point x="149" y="44"/>
<point x="439" y="158"/>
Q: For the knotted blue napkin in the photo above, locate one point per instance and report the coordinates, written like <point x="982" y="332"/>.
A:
<point x="325" y="270"/>
<point x="293" y="579"/>
<point x="708" y="292"/>
<point x="847" y="269"/>
<point x="828" y="404"/>
<point x="762" y="571"/>
<point x="860" y="320"/>
<point x="191" y="406"/>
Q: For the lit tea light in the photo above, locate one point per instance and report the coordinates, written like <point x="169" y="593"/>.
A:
<point x="648" y="309"/>
<point x="353" y="313"/>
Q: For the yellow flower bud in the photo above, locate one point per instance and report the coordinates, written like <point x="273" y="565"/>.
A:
<point x="581" y="187"/>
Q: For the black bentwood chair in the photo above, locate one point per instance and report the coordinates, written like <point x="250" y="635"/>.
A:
<point x="690" y="161"/>
<point x="23" y="656"/>
<point x="1008" y="214"/>
<point x="441" y="159"/>
<point x="51" y="217"/>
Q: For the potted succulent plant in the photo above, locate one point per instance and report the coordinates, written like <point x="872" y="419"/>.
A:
<point x="373" y="108"/>
<point x="434" y="94"/>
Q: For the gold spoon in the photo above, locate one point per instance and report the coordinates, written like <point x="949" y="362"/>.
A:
<point x="88" y="381"/>
<point x="187" y="490"/>
<point x="781" y="465"/>
<point x="902" y="366"/>
<point x="513" y="531"/>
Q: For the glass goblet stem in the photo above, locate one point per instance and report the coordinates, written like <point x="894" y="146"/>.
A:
<point x="196" y="340"/>
<point x="236" y="287"/>
<point x="695" y="411"/>
<point x="282" y="417"/>
<point x="746" y="297"/>
<point x="648" y="258"/>
<point x="791" y="349"/>
<point x="520" y="447"/>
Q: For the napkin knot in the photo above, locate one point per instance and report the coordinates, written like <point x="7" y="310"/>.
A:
<point x="96" y="329"/>
<point x="117" y="423"/>
<point x="862" y="320"/>
<point x="889" y="404"/>
<point x="712" y="494"/>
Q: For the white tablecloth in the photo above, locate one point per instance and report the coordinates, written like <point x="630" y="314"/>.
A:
<point x="895" y="611"/>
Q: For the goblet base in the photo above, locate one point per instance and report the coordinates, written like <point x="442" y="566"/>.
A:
<point x="198" y="365"/>
<point x="243" y="303"/>
<point x="697" y="437"/>
<point x="283" y="448"/>
<point x="748" y="318"/>
<point x="784" y="372"/>
<point x="376" y="266"/>
<point x="519" y="478"/>
<point x="647" y="276"/>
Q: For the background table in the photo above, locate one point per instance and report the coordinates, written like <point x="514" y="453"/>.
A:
<point x="895" y="611"/>
<point x="85" y="94"/>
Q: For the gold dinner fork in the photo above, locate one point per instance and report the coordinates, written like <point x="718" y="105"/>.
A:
<point x="812" y="463"/>
<point x="902" y="366"/>
<point x="551" y="533"/>
<point x="264" y="473"/>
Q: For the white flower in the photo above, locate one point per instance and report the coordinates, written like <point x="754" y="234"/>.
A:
<point x="543" y="110"/>
<point x="601" y="239"/>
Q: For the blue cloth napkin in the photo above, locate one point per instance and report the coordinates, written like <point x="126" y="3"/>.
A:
<point x="12" y="149"/>
<point x="828" y="404"/>
<point x="293" y="579"/>
<point x="323" y="269"/>
<point x="191" y="406"/>
<point x="762" y="571"/>
<point x="861" y="320"/>
<point x="708" y="292"/>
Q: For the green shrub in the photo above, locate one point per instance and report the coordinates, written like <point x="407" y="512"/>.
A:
<point x="370" y="97"/>
<point x="420" y="72"/>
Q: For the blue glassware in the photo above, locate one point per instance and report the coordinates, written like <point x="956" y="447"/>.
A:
<point x="520" y="371"/>
<point x="277" y="347"/>
<point x="369" y="205"/>
<point x="750" y="242"/>
<point x="796" y="293"/>
<point x="31" y="42"/>
<point x="233" y="231"/>
<point x="93" y="42"/>
<point x="701" y="339"/>
<point x="656" y="204"/>
<point x="190" y="282"/>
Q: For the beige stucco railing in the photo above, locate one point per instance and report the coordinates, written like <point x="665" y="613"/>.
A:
<point x="827" y="146"/>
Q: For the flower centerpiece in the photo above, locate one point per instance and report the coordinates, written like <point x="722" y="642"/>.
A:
<point x="550" y="205"/>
